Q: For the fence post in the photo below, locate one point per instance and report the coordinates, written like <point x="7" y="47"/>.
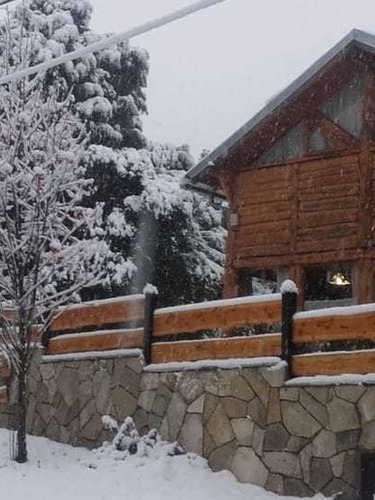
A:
<point x="289" y="295"/>
<point x="151" y="295"/>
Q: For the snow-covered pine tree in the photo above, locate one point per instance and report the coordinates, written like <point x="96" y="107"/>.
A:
<point x="44" y="258"/>
<point x="156" y="231"/>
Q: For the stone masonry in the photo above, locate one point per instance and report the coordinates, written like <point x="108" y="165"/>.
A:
<point x="290" y="440"/>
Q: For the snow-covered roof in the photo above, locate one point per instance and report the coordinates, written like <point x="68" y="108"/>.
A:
<point x="194" y="178"/>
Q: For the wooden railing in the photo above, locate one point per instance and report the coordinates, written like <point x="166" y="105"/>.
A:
<point x="166" y="335"/>
<point x="98" y="326"/>
<point x="344" y="337"/>
<point x="344" y="327"/>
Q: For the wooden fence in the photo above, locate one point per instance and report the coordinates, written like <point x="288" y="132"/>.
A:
<point x="322" y="342"/>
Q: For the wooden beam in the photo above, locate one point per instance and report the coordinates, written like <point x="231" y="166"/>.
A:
<point x="96" y="341"/>
<point x="235" y="347"/>
<point x="330" y="328"/>
<point x="360" y="362"/>
<point x="99" y="313"/>
<point x="220" y="317"/>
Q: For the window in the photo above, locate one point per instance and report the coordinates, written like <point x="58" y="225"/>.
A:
<point x="260" y="282"/>
<point x="289" y="147"/>
<point x="345" y="107"/>
<point x="328" y="286"/>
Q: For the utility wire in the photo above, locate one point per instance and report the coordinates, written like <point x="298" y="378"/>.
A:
<point x="111" y="40"/>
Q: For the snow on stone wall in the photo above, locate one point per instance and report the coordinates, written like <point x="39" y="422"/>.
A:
<point x="291" y="440"/>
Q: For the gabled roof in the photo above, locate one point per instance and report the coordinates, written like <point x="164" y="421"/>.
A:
<point x="195" y="177"/>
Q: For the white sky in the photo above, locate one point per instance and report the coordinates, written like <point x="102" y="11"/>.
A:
<point x="211" y="72"/>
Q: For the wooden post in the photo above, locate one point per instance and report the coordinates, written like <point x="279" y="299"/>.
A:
<point x="151" y="295"/>
<point x="288" y="309"/>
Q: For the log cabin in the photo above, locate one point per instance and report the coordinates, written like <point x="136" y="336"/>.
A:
<point x="299" y="180"/>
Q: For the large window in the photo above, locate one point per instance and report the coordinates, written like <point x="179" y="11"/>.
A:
<point x="328" y="286"/>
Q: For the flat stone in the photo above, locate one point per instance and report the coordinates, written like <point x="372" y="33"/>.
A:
<point x="297" y="488"/>
<point x="146" y="399"/>
<point x="85" y="392"/>
<point x="86" y="414"/>
<point x="324" y="444"/>
<point x="92" y="429"/>
<point x="319" y="393"/>
<point x="351" y="469"/>
<point x="128" y="379"/>
<point x="258" y="440"/>
<point x="86" y="370"/>
<point x="283" y="462"/>
<point x="275" y="376"/>
<point x="274" y="408"/>
<point x="276" y="438"/>
<point x="257" y="384"/>
<point x="191" y="434"/>
<point x="210" y="404"/>
<point x="320" y="474"/>
<point x="234" y="408"/>
<point x="337" y="488"/>
<point x="289" y="394"/>
<point x="141" y="421"/>
<point x="347" y="440"/>
<point x="337" y="464"/>
<point x="316" y="409"/>
<point x="208" y="444"/>
<point x="296" y="444"/>
<point x="154" y="422"/>
<point x="222" y="457"/>
<point x="305" y="459"/>
<point x="219" y="427"/>
<point x="298" y="421"/>
<point x="241" y="389"/>
<point x="101" y="390"/>
<point x="197" y="405"/>
<point x="190" y="387"/>
<point x="367" y="441"/>
<point x="164" y="430"/>
<point x="257" y="412"/>
<point x="124" y="403"/>
<point x="149" y="381"/>
<point x="175" y="415"/>
<point x="366" y="405"/>
<point x="342" y="415"/>
<point x="243" y="429"/>
<point x="3" y="395"/>
<point x="168" y="379"/>
<point x="349" y="392"/>
<point x="275" y="484"/>
<point x="159" y="406"/>
<point x="217" y="383"/>
<point x="248" y="468"/>
<point x="47" y="371"/>
<point x="44" y="411"/>
<point x="134" y="364"/>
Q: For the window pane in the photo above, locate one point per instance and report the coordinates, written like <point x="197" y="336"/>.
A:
<point x="289" y="147"/>
<point x="328" y="286"/>
<point x="345" y="107"/>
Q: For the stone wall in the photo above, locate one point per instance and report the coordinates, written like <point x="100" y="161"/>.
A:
<point x="290" y="440"/>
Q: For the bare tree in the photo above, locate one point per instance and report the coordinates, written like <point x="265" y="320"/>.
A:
<point x="49" y="242"/>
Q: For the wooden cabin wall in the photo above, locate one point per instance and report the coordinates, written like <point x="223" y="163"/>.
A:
<point x="307" y="212"/>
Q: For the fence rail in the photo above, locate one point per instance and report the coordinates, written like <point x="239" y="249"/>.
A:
<point x="174" y="334"/>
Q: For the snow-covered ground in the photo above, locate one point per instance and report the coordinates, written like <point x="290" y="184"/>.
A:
<point x="61" y="472"/>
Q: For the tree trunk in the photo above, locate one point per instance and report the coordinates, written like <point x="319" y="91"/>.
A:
<point x="21" y="455"/>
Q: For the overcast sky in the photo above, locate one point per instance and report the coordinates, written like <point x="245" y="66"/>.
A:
<point x="211" y="72"/>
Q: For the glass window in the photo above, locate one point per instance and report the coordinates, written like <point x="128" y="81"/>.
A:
<point x="318" y="142"/>
<point x="328" y="286"/>
<point x="289" y="147"/>
<point x="345" y="107"/>
<point x="260" y="282"/>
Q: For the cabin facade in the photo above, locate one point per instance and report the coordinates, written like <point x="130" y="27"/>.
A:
<point x="299" y="179"/>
